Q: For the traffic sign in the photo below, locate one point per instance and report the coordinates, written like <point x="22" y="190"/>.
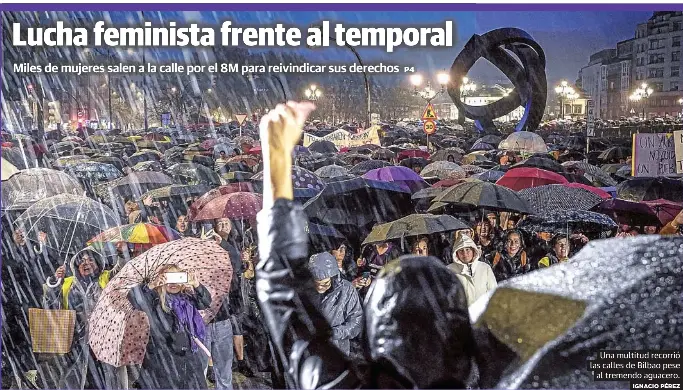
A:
<point x="240" y="118"/>
<point x="429" y="127"/>
<point x="590" y="118"/>
<point x="429" y="114"/>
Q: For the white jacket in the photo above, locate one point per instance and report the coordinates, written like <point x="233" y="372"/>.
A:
<point x="481" y="280"/>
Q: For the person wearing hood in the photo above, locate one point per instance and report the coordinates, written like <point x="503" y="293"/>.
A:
<point x="339" y="300"/>
<point x="476" y="276"/>
<point x="80" y="293"/>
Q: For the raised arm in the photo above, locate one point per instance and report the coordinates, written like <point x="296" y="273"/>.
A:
<point x="286" y="290"/>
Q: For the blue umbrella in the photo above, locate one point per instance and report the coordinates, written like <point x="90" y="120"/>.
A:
<point x="490" y="176"/>
<point x="481" y="146"/>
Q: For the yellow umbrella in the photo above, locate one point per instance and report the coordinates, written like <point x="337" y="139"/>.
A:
<point x="8" y="170"/>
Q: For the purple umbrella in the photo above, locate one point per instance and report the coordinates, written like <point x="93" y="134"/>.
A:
<point x="403" y="176"/>
<point x="301" y="150"/>
<point x="481" y="146"/>
<point x="629" y="213"/>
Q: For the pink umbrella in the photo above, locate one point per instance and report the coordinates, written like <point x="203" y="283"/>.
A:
<point x="666" y="210"/>
<point x="238" y="205"/>
<point x="597" y="191"/>
<point x="521" y="178"/>
<point x="118" y="333"/>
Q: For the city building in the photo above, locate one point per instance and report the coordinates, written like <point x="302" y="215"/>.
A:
<point x="481" y="96"/>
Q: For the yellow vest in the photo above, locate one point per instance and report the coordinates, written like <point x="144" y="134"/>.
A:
<point x="69" y="282"/>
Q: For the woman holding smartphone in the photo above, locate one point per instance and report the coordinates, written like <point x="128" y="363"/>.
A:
<point x="173" y="359"/>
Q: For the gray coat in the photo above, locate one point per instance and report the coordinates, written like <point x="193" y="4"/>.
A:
<point x="340" y="304"/>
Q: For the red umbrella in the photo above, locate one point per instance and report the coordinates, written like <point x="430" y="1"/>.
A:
<point x="521" y="178"/>
<point x="413" y="153"/>
<point x="666" y="210"/>
<point x="198" y="204"/>
<point x="238" y="205"/>
<point x="208" y="144"/>
<point x="254" y="150"/>
<point x="597" y="191"/>
<point x="447" y="183"/>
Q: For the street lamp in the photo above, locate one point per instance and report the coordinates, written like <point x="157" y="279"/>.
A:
<point x="641" y="93"/>
<point x="563" y="91"/>
<point x="313" y="93"/>
<point x="680" y="101"/>
<point x="467" y="87"/>
<point x="428" y="93"/>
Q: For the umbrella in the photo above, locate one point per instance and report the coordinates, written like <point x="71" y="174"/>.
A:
<point x="115" y="161"/>
<point x="65" y="146"/>
<point x="256" y="150"/>
<point x="414" y="225"/>
<point x="316" y="161"/>
<point x="624" y="172"/>
<point x="443" y="170"/>
<point x="520" y="178"/>
<point x="665" y="210"/>
<point x="148" y="166"/>
<point x="250" y="161"/>
<point x="568" y="221"/>
<point x="119" y="334"/>
<point x="629" y="213"/>
<point x="188" y="173"/>
<point x="31" y="185"/>
<point x="589" y="304"/>
<point x="597" y="191"/>
<point x="554" y="197"/>
<point x="17" y="157"/>
<point x="490" y="139"/>
<point x="64" y="162"/>
<point x="237" y="205"/>
<point x="412" y="153"/>
<point x="428" y="193"/>
<point x="413" y="162"/>
<point x="331" y="171"/>
<point x="490" y="176"/>
<point x="651" y="188"/>
<point x="443" y="154"/>
<point x="350" y="158"/>
<point x="299" y="150"/>
<point x="132" y="185"/>
<point x="472" y="169"/>
<point x="69" y="221"/>
<point x="525" y="142"/>
<point x="482" y="146"/>
<point x="447" y="183"/>
<point x="231" y="188"/>
<point x="322" y="237"/>
<point x="612" y="168"/>
<point x="136" y="233"/>
<point x="615" y="153"/>
<point x="400" y="175"/>
<point x="209" y="144"/>
<point x="97" y="171"/>
<point x="142" y="156"/>
<point x="473" y="157"/>
<point x="540" y="162"/>
<point x="484" y="195"/>
<point x="591" y="172"/>
<point x="383" y="154"/>
<point x="366" y="166"/>
<point x="323" y="147"/>
<point x="73" y="138"/>
<point x="245" y="139"/>
<point x="8" y="170"/>
<point x="176" y="190"/>
<point x="301" y="178"/>
<point x="173" y="155"/>
<point x="359" y="202"/>
<point x="237" y="176"/>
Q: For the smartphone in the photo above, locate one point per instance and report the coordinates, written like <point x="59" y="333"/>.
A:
<point x="366" y="275"/>
<point x="176" y="277"/>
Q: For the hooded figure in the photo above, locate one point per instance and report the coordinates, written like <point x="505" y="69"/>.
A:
<point x="339" y="302"/>
<point x="80" y="292"/>
<point x="476" y="276"/>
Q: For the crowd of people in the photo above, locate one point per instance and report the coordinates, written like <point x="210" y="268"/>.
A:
<point x="75" y="229"/>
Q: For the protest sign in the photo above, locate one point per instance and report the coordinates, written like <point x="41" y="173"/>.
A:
<point x="653" y="155"/>
<point x="344" y="139"/>
<point x="678" y="150"/>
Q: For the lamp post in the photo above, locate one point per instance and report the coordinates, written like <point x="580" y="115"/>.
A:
<point x="563" y="91"/>
<point x="313" y="93"/>
<point x="428" y="93"/>
<point x="680" y="101"/>
<point x="640" y="94"/>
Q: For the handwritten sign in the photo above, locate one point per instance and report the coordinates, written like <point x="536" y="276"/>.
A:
<point x="342" y="138"/>
<point x="653" y="155"/>
<point x="678" y="150"/>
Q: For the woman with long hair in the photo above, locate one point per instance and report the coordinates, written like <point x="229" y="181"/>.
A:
<point x="173" y="357"/>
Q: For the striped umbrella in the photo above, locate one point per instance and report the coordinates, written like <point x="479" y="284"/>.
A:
<point x="137" y="233"/>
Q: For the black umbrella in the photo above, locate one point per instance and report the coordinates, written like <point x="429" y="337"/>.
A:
<point x="188" y="173"/>
<point x="115" y="161"/>
<point x="615" y="295"/>
<point x="651" y="188"/>
<point x="132" y="186"/>
<point x="359" y="202"/>
<point x="540" y="162"/>
<point x="366" y="166"/>
<point x="142" y="156"/>
<point x="315" y="161"/>
<point x="323" y="147"/>
<point x="176" y="190"/>
<point x="484" y="195"/>
<point x="444" y="154"/>
<point x="414" y="225"/>
<point x="555" y="197"/>
<point x="615" y="153"/>
<point x="594" y="174"/>
<point x="383" y="154"/>
<point x="412" y="162"/>
<point x="629" y="213"/>
<point x="237" y="176"/>
<point x="203" y="160"/>
<point x="568" y="221"/>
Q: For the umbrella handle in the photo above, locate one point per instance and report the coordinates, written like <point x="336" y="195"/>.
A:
<point x="51" y="285"/>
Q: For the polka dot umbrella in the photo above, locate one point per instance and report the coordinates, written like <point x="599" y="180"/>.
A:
<point x="118" y="333"/>
<point x="238" y="205"/>
<point x="301" y="178"/>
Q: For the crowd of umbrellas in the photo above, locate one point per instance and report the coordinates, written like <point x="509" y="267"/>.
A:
<point x="107" y="189"/>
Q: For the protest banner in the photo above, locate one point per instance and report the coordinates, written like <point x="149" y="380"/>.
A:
<point x="653" y="155"/>
<point x="678" y="150"/>
<point x="344" y="139"/>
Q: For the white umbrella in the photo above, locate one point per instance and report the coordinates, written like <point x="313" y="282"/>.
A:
<point x="524" y="141"/>
<point x="8" y="170"/>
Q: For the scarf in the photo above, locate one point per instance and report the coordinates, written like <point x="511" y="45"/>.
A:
<point x="188" y="317"/>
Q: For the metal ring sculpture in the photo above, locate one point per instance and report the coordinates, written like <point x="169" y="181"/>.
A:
<point x="526" y="72"/>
